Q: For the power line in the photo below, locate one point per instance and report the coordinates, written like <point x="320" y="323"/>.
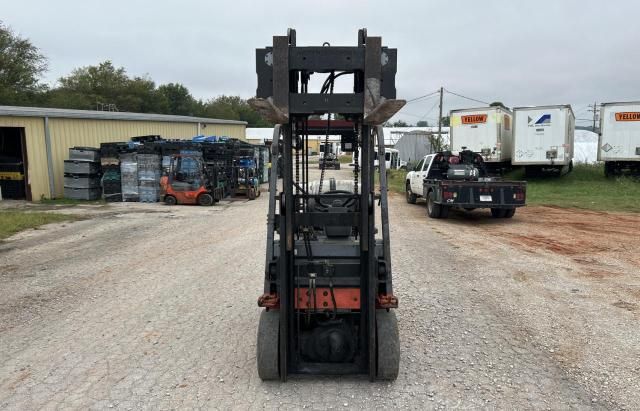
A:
<point x="421" y="97"/>
<point x="430" y="110"/>
<point x="468" y="98"/>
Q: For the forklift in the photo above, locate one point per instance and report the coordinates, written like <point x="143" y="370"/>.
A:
<point x="245" y="180"/>
<point x="189" y="181"/>
<point x="328" y="302"/>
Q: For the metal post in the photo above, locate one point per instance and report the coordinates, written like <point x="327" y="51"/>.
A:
<point x="47" y="144"/>
<point x="439" y="139"/>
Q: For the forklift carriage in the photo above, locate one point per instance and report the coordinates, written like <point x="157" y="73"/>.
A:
<point x="328" y="294"/>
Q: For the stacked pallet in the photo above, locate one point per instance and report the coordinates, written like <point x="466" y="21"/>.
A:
<point x="149" y="173"/>
<point x="129" y="176"/>
<point x="82" y="174"/>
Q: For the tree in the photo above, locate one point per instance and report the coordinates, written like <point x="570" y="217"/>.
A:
<point x="398" y="123"/>
<point x="180" y="101"/>
<point x="445" y="121"/>
<point x="234" y="108"/>
<point x="21" y="66"/>
<point x="422" y="123"/>
<point x="86" y="87"/>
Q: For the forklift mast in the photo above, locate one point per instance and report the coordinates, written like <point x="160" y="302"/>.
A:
<point x="328" y="293"/>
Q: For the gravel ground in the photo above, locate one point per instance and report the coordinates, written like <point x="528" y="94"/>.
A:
<point x="146" y="306"/>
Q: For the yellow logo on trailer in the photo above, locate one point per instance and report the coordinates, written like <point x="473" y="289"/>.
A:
<point x="474" y="119"/>
<point x="628" y="116"/>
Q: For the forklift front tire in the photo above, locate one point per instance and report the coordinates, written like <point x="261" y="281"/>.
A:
<point x="251" y="193"/>
<point x="205" y="199"/>
<point x="388" y="345"/>
<point x="170" y="200"/>
<point x="267" y="346"/>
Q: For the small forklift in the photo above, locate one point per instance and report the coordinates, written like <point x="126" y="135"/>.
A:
<point x="190" y="182"/>
<point x="245" y="177"/>
<point x="328" y="302"/>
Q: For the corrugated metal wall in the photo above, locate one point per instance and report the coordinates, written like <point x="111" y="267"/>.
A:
<point x="36" y="152"/>
<point x="67" y="133"/>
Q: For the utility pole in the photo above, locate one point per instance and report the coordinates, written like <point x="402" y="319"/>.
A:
<point x="594" y="108"/>
<point x="440" y="121"/>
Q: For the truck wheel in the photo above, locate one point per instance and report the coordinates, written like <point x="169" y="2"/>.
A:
<point x="170" y="200"/>
<point x="411" y="198"/>
<point x="205" y="199"/>
<point x="433" y="210"/>
<point x="267" y="346"/>
<point x="444" y="211"/>
<point x="508" y="213"/>
<point x="388" y="345"/>
<point x="497" y="212"/>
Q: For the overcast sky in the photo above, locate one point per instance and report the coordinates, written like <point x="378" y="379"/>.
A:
<point x="517" y="52"/>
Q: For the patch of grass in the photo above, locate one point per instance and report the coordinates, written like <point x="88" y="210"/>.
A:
<point x="395" y="180"/>
<point x="345" y="159"/>
<point x="585" y="187"/>
<point x="12" y="222"/>
<point x="69" y="201"/>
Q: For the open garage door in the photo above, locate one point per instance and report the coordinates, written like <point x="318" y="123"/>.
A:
<point x="13" y="164"/>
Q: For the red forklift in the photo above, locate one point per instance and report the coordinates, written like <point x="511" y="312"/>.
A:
<point x="190" y="182"/>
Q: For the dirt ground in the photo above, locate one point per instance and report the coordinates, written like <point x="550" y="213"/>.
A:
<point x="154" y="307"/>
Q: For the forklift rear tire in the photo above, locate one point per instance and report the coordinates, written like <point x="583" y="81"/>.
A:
<point x="170" y="200"/>
<point x="267" y="347"/>
<point x="251" y="194"/>
<point x="205" y="199"/>
<point x="388" y="345"/>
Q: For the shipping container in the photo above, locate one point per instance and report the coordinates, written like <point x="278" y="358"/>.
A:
<point x="485" y="130"/>
<point x="619" y="140"/>
<point x="543" y="138"/>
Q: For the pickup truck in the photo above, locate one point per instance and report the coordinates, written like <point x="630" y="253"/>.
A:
<point x="447" y="180"/>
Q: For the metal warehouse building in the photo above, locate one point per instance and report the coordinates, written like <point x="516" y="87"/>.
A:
<point x="37" y="139"/>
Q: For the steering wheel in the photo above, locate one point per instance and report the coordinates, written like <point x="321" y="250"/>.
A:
<point x="346" y="203"/>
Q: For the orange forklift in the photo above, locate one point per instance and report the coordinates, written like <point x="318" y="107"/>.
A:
<point x="190" y="182"/>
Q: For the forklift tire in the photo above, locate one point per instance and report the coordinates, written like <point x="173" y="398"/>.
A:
<point x="205" y="199"/>
<point x="411" y="198"/>
<point x="509" y="212"/>
<point x="498" y="212"/>
<point x="388" y="345"/>
<point x="433" y="210"/>
<point x="170" y="200"/>
<point x="251" y="193"/>
<point x="267" y="346"/>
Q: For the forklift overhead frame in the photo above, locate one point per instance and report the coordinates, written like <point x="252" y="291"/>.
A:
<point x="328" y="294"/>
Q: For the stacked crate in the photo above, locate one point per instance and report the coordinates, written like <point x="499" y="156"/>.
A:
<point x="129" y="176"/>
<point x="82" y="174"/>
<point x="149" y="173"/>
<point x="12" y="178"/>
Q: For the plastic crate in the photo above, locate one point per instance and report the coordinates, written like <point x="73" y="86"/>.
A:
<point x="12" y="189"/>
<point x="81" y="181"/>
<point x="82" y="193"/>
<point x="81" y="167"/>
<point x="112" y="197"/>
<point x="84" y="153"/>
<point x="111" y="188"/>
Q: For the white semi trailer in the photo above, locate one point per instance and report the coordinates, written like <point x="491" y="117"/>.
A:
<point x="619" y="141"/>
<point x="543" y="139"/>
<point x="487" y="131"/>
